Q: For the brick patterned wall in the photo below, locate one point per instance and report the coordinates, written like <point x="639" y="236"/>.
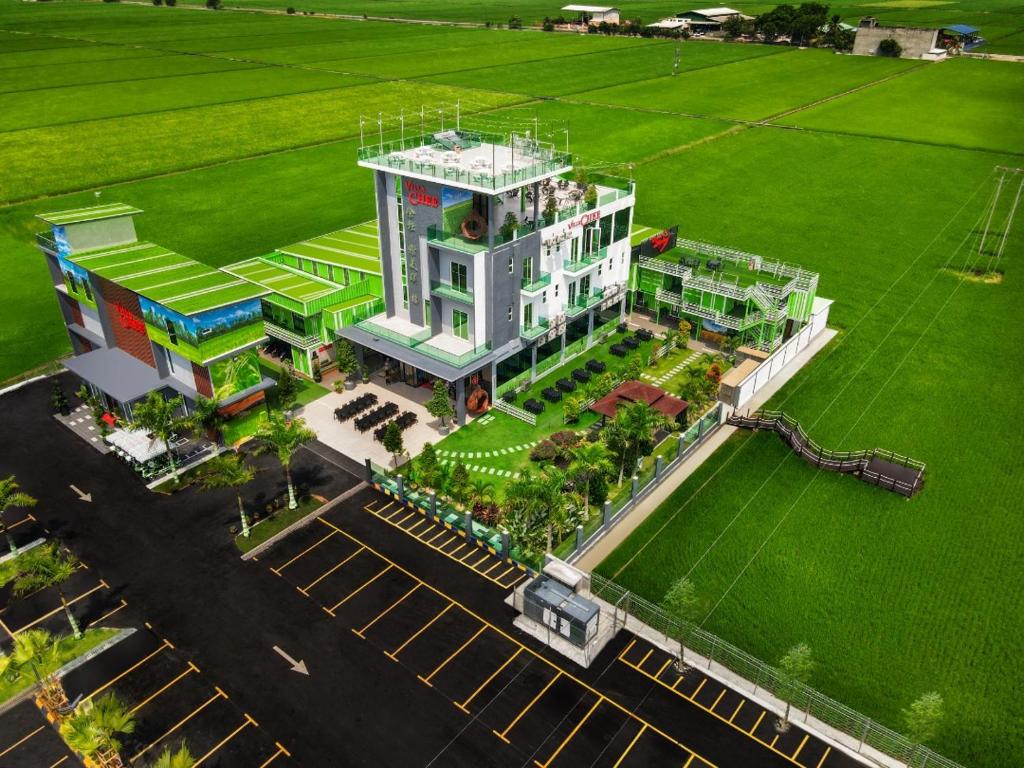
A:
<point x="71" y="308"/>
<point x="203" y="385"/>
<point x="132" y="340"/>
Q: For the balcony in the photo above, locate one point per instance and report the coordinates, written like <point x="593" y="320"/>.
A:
<point x="455" y="241"/>
<point x="538" y="328"/>
<point x="429" y="344"/>
<point x="406" y="340"/>
<point x="539" y="284"/>
<point x="582" y="303"/>
<point x="449" y="291"/>
<point x="284" y="334"/>
<point x="585" y="262"/>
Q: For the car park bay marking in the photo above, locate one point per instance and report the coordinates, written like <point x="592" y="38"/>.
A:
<point x="571" y="735"/>
<point x="630" y="747"/>
<point x="359" y="589"/>
<point x="387" y="610"/>
<point x="303" y="553"/>
<point x="60" y="762"/>
<point x="245" y="724"/>
<point x="188" y="670"/>
<point x="163" y="646"/>
<point x="59" y="608"/>
<point x="22" y="740"/>
<point x="394" y="654"/>
<point x="487" y="682"/>
<point x="503" y="735"/>
<point x="455" y="653"/>
<point x="305" y="590"/>
<point x="219" y="694"/>
<point x="108" y="614"/>
<point x="822" y="761"/>
<point x="280" y="751"/>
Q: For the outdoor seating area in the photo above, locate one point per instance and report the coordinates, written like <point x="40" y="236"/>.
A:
<point x="534" y="406"/>
<point x="582" y="375"/>
<point x="147" y="454"/>
<point x="630" y="343"/>
<point x="644" y="335"/>
<point x="376" y="416"/>
<point x="619" y="350"/>
<point x="353" y="407"/>
<point x="406" y="420"/>
<point x="551" y="394"/>
<point x="596" y="366"/>
<point x="566" y="385"/>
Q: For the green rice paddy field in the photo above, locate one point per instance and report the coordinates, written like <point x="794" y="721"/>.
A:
<point x="237" y="134"/>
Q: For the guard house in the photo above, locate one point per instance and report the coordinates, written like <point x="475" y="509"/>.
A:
<point x="593" y="14"/>
<point x="492" y="257"/>
<point x="142" y="318"/>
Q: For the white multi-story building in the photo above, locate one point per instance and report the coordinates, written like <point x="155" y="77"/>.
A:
<point x="493" y="256"/>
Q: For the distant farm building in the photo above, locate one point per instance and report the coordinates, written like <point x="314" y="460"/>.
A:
<point x="708" y="19"/>
<point x="929" y="44"/>
<point x="593" y="14"/>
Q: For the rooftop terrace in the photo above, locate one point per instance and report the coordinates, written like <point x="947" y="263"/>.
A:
<point x="168" y="278"/>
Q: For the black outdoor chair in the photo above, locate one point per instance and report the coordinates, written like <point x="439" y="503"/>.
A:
<point x="596" y="366"/>
<point x="551" y="395"/>
<point x="623" y="327"/>
<point x="644" y="335"/>
<point x="630" y="342"/>
<point x="534" y="406"/>
<point x="566" y="385"/>
<point x="582" y="375"/>
<point x="618" y="350"/>
<point x="714" y="264"/>
<point x="692" y="262"/>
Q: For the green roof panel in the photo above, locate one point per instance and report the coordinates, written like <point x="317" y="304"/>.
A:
<point x="357" y="247"/>
<point x="92" y="213"/>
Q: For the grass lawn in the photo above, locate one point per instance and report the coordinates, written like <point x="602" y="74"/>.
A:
<point x="68" y="649"/>
<point x="271" y="526"/>
<point x="506" y="431"/>
<point x="245" y="424"/>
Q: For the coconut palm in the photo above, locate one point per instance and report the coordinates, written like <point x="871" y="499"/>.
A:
<point x="95" y="725"/>
<point x="480" y="492"/>
<point x="181" y="758"/>
<point x="284" y="438"/>
<point x="208" y="418"/>
<point x="228" y="471"/>
<point x="588" y="460"/>
<point x="32" y="648"/>
<point x="632" y="429"/>
<point x="159" y="415"/>
<point x="46" y="566"/>
<point x="11" y="497"/>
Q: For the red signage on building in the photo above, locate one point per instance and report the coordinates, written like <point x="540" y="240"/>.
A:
<point x="416" y="194"/>
<point x="661" y="241"/>
<point x="128" y="319"/>
<point x="583" y="219"/>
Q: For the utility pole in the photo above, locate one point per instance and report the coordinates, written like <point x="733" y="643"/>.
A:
<point x="991" y="213"/>
<point x="1010" y="216"/>
<point x="675" y="60"/>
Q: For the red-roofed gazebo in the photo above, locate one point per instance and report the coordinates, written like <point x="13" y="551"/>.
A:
<point x="627" y="392"/>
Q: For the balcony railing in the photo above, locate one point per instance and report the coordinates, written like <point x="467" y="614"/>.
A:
<point x="454" y="240"/>
<point x="45" y="240"/>
<point x="449" y="291"/>
<point x="293" y="338"/>
<point x="582" y="303"/>
<point x="585" y="261"/>
<point x="539" y="284"/>
<point x="418" y="341"/>
<point x="534" y="330"/>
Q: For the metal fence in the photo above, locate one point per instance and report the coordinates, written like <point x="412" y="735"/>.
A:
<point x="859" y="730"/>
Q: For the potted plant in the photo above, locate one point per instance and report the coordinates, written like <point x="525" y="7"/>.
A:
<point x="509" y="226"/>
<point x="317" y="375"/>
<point x="590" y="196"/>
<point x="348" y="363"/>
<point x="59" y="400"/>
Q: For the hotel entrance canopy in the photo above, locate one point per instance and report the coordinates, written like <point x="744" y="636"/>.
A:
<point x="121" y="376"/>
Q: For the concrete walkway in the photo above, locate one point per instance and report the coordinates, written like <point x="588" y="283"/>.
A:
<point x="604" y="547"/>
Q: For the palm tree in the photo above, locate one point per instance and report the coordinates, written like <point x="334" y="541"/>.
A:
<point x="632" y="428"/>
<point x="284" y="438"/>
<point x="549" y="498"/>
<point x="229" y="471"/>
<point x="31" y="649"/>
<point x="95" y="725"/>
<point x="45" y="566"/>
<point x="480" y="492"/>
<point x="182" y="758"/>
<point x="10" y="497"/>
<point x="158" y="415"/>
<point x="589" y="460"/>
<point x="208" y="418"/>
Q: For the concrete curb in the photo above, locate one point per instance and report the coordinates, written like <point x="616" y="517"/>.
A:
<point x="29" y="692"/>
<point x="21" y="550"/>
<point x="301" y="523"/>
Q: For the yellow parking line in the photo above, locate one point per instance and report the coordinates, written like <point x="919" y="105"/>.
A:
<point x="772" y="745"/>
<point x="459" y="650"/>
<point x="410" y="530"/>
<point x="482" y="559"/>
<point x="571" y="735"/>
<point x="280" y="751"/>
<point x="663" y="666"/>
<point x="457" y="549"/>
<point x="337" y="605"/>
<point x="645" y="658"/>
<point x="496" y="565"/>
<point x="245" y="724"/>
<point x="188" y="670"/>
<point x="527" y="708"/>
<point x="305" y="590"/>
<point x="627" y="649"/>
<point x="303" y="553"/>
<point x="738" y="708"/>
<point x="59" y="608"/>
<point x="802" y="743"/>
<point x="176" y="726"/>
<point x="22" y="740"/>
<point x="751" y="731"/>
<point x="693" y="696"/>
<point x="108" y="614"/>
<point x="134" y="666"/>
<point x="486" y="682"/>
<point x="440" y="533"/>
<point x="822" y="761"/>
<point x="504" y="574"/>
<point x="634" y="741"/>
<point x="62" y="760"/>
<point x="469" y="554"/>
<point x="718" y="700"/>
<point x="411" y="514"/>
<point x="393" y="654"/>
<point x="387" y="610"/>
<point x="501" y="633"/>
<point x="687" y="763"/>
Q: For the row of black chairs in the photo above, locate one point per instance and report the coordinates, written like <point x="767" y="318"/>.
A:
<point x="566" y="385"/>
<point x="534" y="406"/>
<point x="352" y="407"/>
<point x="596" y="366"/>
<point x="404" y="421"/>
<point x="551" y="394"/>
<point x="644" y="335"/>
<point x="376" y="416"/>
<point x="582" y="375"/>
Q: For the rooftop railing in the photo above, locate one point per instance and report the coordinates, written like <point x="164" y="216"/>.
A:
<point x="418" y="342"/>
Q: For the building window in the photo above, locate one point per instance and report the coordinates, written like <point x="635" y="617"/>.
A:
<point x="511" y="266"/>
<point x="599" y="269"/>
<point x="460" y="324"/>
<point x="527" y="270"/>
<point x="172" y="332"/>
<point x="556" y="290"/>
<point x="170" y="359"/>
<point x="527" y="315"/>
<point x="87" y="288"/>
<point x="510" y="313"/>
<point x="299" y="324"/>
<point x="544" y="297"/>
<point x="458" y="273"/>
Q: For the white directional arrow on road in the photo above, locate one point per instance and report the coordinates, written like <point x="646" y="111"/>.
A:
<point x="297" y="666"/>
<point x="81" y="496"/>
